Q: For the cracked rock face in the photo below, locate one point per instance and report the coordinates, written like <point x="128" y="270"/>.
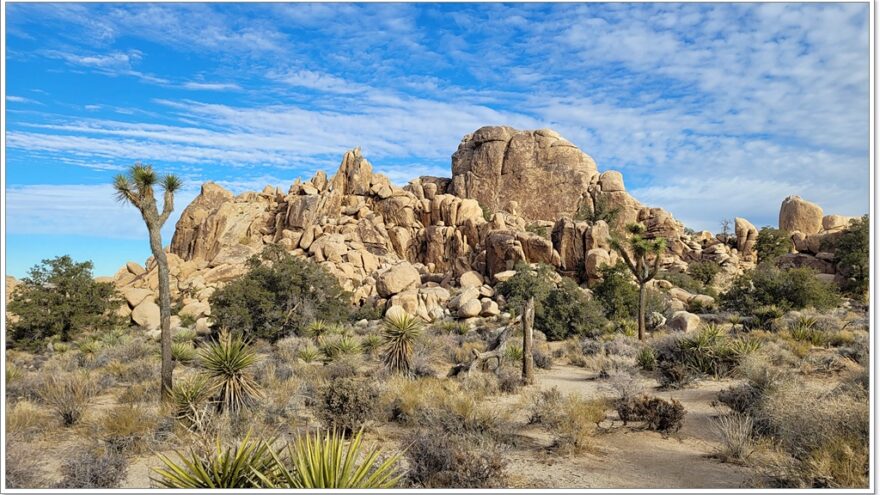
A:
<point x="539" y="170"/>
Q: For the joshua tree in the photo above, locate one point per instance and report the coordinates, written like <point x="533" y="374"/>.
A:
<point x="528" y="362"/>
<point x="136" y="188"/>
<point x="635" y="251"/>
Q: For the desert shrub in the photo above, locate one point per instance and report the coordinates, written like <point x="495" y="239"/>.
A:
<point x="576" y="422"/>
<point x="463" y="415"/>
<point x="825" y="432"/>
<point x="735" y="433"/>
<point x="23" y="469"/>
<point x="625" y="385"/>
<point x="366" y="311"/>
<point x="509" y="379"/>
<point x="542" y="360"/>
<point x="805" y="418"/>
<point x="683" y="280"/>
<point x="57" y="298"/>
<point x="138" y="393"/>
<point x="852" y="256"/>
<point x="703" y="271"/>
<point x="568" y="311"/>
<point x="451" y="326"/>
<point x="741" y="398"/>
<point x="658" y="414"/>
<point x="227" y="361"/>
<point x="772" y="243"/>
<point x="544" y="406"/>
<point x="347" y="404"/>
<point x="337" y="346"/>
<point x="766" y="316"/>
<point x="93" y="467"/>
<point x="540" y="230"/>
<point x="646" y="359"/>
<point x="24" y="419"/>
<point x="278" y="296"/>
<point x="438" y="460"/>
<point x="68" y="395"/>
<point x="617" y="292"/>
<point x="127" y="428"/>
<point x="793" y="288"/>
<point x="560" y="310"/>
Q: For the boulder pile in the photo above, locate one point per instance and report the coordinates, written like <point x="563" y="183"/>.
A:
<point x="437" y="246"/>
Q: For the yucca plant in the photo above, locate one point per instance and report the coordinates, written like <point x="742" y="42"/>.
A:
<point x="513" y="353"/>
<point x="316" y="329"/>
<point x="246" y="465"/>
<point x="400" y="332"/>
<point x="327" y="462"/>
<point x="191" y="399"/>
<point x="371" y="342"/>
<point x="184" y="335"/>
<point x="227" y="362"/>
<point x="183" y="352"/>
<point x="308" y="353"/>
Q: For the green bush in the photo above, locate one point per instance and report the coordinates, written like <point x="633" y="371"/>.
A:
<point x="560" y="311"/>
<point x="772" y="243"/>
<point x="617" y="292"/>
<point x="278" y="297"/>
<point x="527" y="283"/>
<point x="58" y="298"/>
<point x="852" y="256"/>
<point x="703" y="271"/>
<point x="567" y="311"/>
<point x="619" y="295"/>
<point x="794" y="288"/>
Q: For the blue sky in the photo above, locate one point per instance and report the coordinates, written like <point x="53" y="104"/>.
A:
<point x="710" y="110"/>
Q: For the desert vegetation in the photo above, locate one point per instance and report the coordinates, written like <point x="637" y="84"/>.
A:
<point x="303" y="395"/>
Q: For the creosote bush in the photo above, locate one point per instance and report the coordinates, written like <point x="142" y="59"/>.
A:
<point x="347" y="404"/>
<point x="657" y="414"/>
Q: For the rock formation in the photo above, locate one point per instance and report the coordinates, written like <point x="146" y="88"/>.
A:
<point x="800" y="215"/>
<point x="428" y="248"/>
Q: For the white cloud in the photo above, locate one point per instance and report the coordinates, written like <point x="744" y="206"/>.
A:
<point x="210" y="86"/>
<point x="80" y="210"/>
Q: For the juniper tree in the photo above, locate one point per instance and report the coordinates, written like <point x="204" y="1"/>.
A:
<point x="57" y="298"/>
<point x="636" y="249"/>
<point x="136" y="188"/>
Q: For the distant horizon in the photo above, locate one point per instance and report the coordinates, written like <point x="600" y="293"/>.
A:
<point x="709" y="111"/>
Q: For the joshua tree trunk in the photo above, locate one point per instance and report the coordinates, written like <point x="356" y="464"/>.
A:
<point x="136" y="188"/>
<point x="641" y="311"/>
<point x="164" y="309"/>
<point x="528" y="362"/>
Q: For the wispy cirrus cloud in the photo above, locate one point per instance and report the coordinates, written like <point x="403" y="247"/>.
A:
<point x="767" y="97"/>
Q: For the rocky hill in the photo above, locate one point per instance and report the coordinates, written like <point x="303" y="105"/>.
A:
<point x="437" y="246"/>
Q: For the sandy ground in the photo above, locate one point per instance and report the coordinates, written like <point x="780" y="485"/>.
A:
<point x="626" y="457"/>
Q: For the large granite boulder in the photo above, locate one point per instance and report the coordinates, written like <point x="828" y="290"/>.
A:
<point x="497" y="165"/>
<point x="800" y="215"/>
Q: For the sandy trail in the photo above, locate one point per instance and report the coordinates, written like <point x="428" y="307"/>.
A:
<point x="627" y="458"/>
